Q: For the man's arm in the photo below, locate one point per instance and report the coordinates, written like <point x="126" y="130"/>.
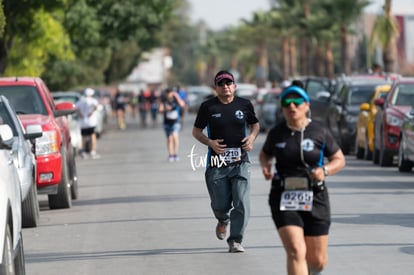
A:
<point x="213" y="144"/>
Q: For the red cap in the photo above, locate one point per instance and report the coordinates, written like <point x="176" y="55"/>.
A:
<point x="223" y="75"/>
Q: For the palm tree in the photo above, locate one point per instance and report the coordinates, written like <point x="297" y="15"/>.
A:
<point x="258" y="32"/>
<point x="345" y="12"/>
<point x="385" y="33"/>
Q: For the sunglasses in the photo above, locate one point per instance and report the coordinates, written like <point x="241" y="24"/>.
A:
<point x="297" y="101"/>
<point x="223" y="83"/>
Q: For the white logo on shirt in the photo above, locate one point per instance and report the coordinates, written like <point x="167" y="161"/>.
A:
<point x="239" y="114"/>
<point x="280" y="145"/>
<point x="216" y="115"/>
<point x="308" y="145"/>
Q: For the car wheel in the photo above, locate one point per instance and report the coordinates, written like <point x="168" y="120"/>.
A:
<point x="19" y="260"/>
<point x="359" y="151"/>
<point x="385" y="158"/>
<point x="367" y="152"/>
<point x="375" y="156"/>
<point x="63" y="198"/>
<point x="7" y="266"/>
<point x="404" y="165"/>
<point x="74" y="179"/>
<point x="346" y="148"/>
<point x="30" y="208"/>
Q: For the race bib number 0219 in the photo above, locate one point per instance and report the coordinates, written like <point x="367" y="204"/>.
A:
<point x="294" y="200"/>
<point x="231" y="155"/>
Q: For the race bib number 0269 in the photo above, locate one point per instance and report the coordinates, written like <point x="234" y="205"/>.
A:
<point x="293" y="200"/>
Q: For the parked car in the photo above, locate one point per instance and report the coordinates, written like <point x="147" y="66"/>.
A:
<point x="75" y="130"/>
<point x="11" y="237"/>
<point x="196" y="95"/>
<point x="343" y="110"/>
<point x="406" y="144"/>
<point x="24" y="159"/>
<point x="319" y="92"/>
<point x="364" y="141"/>
<point x="246" y="90"/>
<point x="56" y="166"/>
<point x="388" y="120"/>
<point x="266" y="110"/>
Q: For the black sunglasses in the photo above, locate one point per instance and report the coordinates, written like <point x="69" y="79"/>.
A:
<point x="297" y="101"/>
<point x="227" y="82"/>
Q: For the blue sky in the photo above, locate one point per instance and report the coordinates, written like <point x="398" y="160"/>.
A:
<point x="221" y="13"/>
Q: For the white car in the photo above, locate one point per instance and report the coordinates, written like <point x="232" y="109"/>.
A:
<point x="11" y="238"/>
<point x="246" y="90"/>
<point x="75" y="130"/>
<point x="24" y="160"/>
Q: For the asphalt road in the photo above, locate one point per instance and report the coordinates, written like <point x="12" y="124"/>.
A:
<point x="139" y="214"/>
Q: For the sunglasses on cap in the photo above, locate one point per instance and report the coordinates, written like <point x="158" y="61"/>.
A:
<point x="297" y="101"/>
<point x="225" y="82"/>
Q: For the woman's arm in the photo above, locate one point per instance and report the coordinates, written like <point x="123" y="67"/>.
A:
<point x="266" y="164"/>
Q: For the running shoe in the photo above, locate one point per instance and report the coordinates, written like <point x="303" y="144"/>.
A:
<point x="221" y="230"/>
<point x="235" y="247"/>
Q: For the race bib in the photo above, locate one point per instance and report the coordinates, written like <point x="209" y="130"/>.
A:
<point x="294" y="200"/>
<point x="231" y="155"/>
<point x="172" y="115"/>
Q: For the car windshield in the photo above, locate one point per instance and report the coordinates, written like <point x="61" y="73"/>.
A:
<point x="24" y="99"/>
<point x="404" y="95"/>
<point x="359" y="95"/>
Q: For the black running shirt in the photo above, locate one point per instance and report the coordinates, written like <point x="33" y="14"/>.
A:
<point x="284" y="145"/>
<point x="226" y="121"/>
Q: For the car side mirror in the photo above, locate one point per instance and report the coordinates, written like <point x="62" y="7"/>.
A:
<point x="379" y="102"/>
<point x="323" y="95"/>
<point x="410" y="114"/>
<point x="64" y="108"/>
<point x="364" y="107"/>
<point x="33" y="131"/>
<point x="6" y="136"/>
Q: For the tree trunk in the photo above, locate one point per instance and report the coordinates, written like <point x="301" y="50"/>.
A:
<point x="262" y="66"/>
<point x="389" y="51"/>
<point x="388" y="57"/>
<point x="318" y="63"/>
<point x="345" y="66"/>
<point x="285" y="58"/>
<point x="329" y="59"/>
<point x="4" y="54"/>
<point x="293" y="71"/>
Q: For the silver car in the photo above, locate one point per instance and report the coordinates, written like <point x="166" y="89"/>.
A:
<point x="11" y="238"/>
<point x="75" y="130"/>
<point x="24" y="160"/>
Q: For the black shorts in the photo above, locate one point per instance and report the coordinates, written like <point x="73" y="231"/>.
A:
<point x="314" y="223"/>
<point x="87" y="131"/>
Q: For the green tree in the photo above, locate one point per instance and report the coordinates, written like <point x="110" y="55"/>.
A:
<point x="385" y="33"/>
<point x="45" y="41"/>
<point x="20" y="19"/>
<point x="346" y="12"/>
<point x="2" y="19"/>
<point x="98" y="31"/>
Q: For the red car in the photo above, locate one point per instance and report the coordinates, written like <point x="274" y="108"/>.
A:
<point x="389" y="118"/>
<point x="55" y="159"/>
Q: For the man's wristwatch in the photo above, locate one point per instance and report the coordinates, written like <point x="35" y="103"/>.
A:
<point x="325" y="171"/>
